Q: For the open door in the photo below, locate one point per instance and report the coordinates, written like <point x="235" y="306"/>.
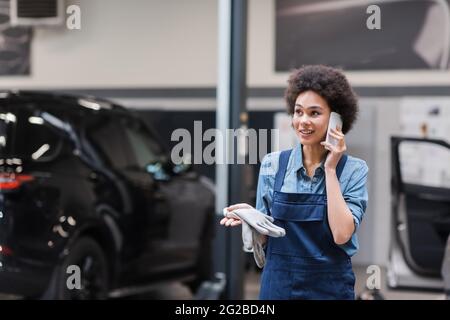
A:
<point x="420" y="212"/>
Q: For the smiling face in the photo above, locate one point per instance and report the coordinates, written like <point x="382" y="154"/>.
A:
<point x="310" y="118"/>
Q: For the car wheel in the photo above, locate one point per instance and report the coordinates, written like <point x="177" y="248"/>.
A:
<point x="86" y="261"/>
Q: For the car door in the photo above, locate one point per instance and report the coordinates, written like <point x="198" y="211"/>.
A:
<point x="173" y="222"/>
<point x="143" y="216"/>
<point x="420" y="211"/>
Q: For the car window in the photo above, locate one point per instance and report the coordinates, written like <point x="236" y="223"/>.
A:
<point x="109" y="139"/>
<point x="415" y="159"/>
<point x="144" y="147"/>
<point x="24" y="135"/>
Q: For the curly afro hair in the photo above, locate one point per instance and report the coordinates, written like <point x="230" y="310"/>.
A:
<point x="331" y="84"/>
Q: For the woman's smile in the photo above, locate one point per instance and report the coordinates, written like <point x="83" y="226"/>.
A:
<point x="306" y="133"/>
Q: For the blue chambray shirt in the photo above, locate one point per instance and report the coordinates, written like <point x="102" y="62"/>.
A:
<point x="352" y="182"/>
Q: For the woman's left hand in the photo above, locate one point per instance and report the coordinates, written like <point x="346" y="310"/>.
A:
<point x="337" y="151"/>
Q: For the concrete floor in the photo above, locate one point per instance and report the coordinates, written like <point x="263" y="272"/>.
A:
<point x="178" y="291"/>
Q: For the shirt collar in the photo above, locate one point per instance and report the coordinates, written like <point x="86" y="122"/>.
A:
<point x="297" y="157"/>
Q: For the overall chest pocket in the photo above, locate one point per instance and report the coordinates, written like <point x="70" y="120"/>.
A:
<point x="305" y="227"/>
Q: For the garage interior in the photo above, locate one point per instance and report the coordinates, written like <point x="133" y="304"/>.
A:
<point x="225" y="64"/>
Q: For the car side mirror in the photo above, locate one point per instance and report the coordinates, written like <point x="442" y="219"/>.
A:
<point x="158" y="171"/>
<point x="184" y="166"/>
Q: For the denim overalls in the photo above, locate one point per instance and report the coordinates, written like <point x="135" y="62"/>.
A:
<point x="306" y="263"/>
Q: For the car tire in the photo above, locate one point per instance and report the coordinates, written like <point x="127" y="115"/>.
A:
<point x="86" y="258"/>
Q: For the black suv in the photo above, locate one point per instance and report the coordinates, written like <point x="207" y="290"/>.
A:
<point x="87" y="190"/>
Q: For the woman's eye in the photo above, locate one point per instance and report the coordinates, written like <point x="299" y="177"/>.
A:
<point x="315" y="113"/>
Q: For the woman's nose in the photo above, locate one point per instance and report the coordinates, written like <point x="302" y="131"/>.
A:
<point x="305" y="120"/>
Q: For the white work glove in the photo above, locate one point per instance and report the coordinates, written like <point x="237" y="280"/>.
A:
<point x="258" y="242"/>
<point x="253" y="242"/>
<point x="255" y="225"/>
<point x="257" y="220"/>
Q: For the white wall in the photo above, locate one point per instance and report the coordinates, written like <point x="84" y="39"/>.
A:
<point x="165" y="43"/>
<point x="138" y="43"/>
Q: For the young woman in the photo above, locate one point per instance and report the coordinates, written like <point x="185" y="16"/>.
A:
<point x="315" y="192"/>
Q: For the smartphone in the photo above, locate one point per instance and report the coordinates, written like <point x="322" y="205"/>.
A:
<point x="335" y="121"/>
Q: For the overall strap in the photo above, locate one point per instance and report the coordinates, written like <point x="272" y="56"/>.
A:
<point x="282" y="167"/>
<point x="283" y="163"/>
<point x="341" y="165"/>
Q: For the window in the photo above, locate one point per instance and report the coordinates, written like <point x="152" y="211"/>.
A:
<point x="25" y="136"/>
<point x="109" y="139"/>
<point x="425" y="163"/>
<point x="413" y="34"/>
<point x="124" y="142"/>
<point x="144" y="147"/>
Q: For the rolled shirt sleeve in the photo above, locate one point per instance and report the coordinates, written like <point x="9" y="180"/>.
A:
<point x="356" y="195"/>
<point x="266" y="181"/>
